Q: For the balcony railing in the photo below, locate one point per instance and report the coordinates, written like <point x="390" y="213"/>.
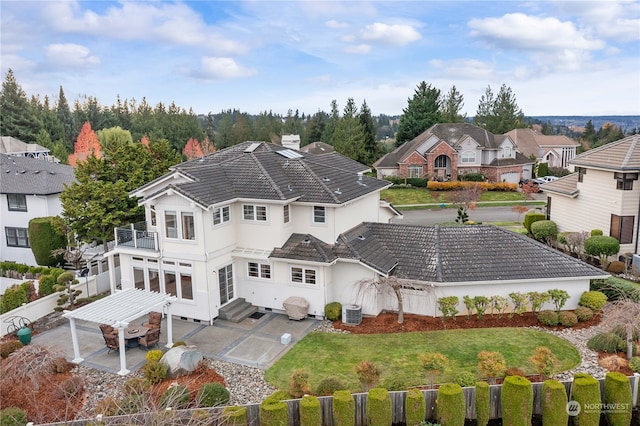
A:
<point x="136" y="236"/>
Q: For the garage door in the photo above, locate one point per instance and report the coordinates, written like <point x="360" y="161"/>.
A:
<point x="511" y="177"/>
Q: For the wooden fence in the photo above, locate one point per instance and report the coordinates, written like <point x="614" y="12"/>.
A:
<point x="326" y="405"/>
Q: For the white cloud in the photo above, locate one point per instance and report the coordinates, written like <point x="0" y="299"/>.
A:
<point x="465" y="69"/>
<point x="615" y="20"/>
<point x="216" y="68"/>
<point x="360" y="49"/>
<point x="394" y="35"/>
<point x="70" y="55"/>
<point x="335" y="24"/>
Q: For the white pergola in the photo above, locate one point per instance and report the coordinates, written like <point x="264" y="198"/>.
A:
<point x="117" y="310"/>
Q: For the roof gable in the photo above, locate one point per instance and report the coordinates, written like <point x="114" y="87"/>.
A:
<point x="22" y="175"/>
<point x="621" y="155"/>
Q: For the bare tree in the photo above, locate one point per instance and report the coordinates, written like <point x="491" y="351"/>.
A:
<point x="624" y="313"/>
<point x="396" y="287"/>
<point x="465" y="199"/>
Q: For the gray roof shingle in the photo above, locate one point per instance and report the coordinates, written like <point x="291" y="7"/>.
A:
<point x="622" y="155"/>
<point x="304" y="247"/>
<point x="22" y="175"/>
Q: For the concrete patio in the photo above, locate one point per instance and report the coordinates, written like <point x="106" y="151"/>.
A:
<point x="252" y="342"/>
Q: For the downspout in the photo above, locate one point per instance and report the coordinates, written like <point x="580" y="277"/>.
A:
<point x="635" y="250"/>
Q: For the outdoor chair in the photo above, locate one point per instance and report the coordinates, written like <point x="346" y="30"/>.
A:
<point x="150" y="339"/>
<point x="154" y="320"/>
<point x="110" y="336"/>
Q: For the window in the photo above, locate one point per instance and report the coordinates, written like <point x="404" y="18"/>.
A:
<point x="171" y="224"/>
<point x="581" y="172"/>
<point x="170" y="283"/>
<point x="225" y="283"/>
<point x="152" y="210"/>
<point x="188" y="227"/>
<point x="259" y="270"/>
<point x="17" y="237"/>
<point x="257" y="213"/>
<point x="154" y="280"/>
<point x="221" y="215"/>
<point x="285" y="212"/>
<point x="303" y="275"/>
<point x="319" y="214"/>
<point x="138" y="278"/>
<point x="622" y="228"/>
<point x="468" y="157"/>
<point x="415" y="171"/>
<point x="506" y="152"/>
<point x="17" y="202"/>
<point x="624" y="181"/>
<point x="441" y="161"/>
<point x="186" y="287"/>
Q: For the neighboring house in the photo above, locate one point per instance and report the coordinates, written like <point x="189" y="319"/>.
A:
<point x="12" y="146"/>
<point x="604" y="193"/>
<point x="555" y="150"/>
<point x="446" y="151"/>
<point x="317" y="148"/>
<point x="29" y="188"/>
<point x="263" y="223"/>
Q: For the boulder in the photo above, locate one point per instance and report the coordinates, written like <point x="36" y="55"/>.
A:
<point x="181" y="360"/>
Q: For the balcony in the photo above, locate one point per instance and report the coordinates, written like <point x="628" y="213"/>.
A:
<point x="136" y="236"/>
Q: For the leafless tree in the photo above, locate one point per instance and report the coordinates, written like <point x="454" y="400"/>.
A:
<point x="465" y="199"/>
<point x="575" y="242"/>
<point x="396" y="287"/>
<point x="624" y="313"/>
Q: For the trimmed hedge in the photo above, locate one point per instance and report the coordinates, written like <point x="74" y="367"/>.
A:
<point x="212" y="395"/>
<point x="414" y="407"/>
<point x="458" y="185"/>
<point x="617" y="392"/>
<point x="379" y="409"/>
<point x="235" y="416"/>
<point x="532" y="217"/>
<point x="583" y="313"/>
<point x="344" y="408"/>
<point x="586" y="392"/>
<point x="274" y="412"/>
<point x="451" y="405"/>
<point x="616" y="288"/>
<point x="310" y="412"/>
<point x="333" y="311"/>
<point x="567" y="318"/>
<point x="14" y="297"/>
<point x="594" y="300"/>
<point x="46" y="234"/>
<point x="483" y="403"/>
<point x="554" y="404"/>
<point x="517" y="401"/>
<point x="549" y="318"/>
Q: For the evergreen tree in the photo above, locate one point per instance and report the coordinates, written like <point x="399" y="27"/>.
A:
<point x="50" y="123"/>
<point x="65" y="117"/>
<point x="241" y="130"/>
<point x="349" y="136"/>
<point x="315" y="128"/>
<point x="484" y="113"/>
<point x="452" y="104"/>
<point x="422" y="112"/>
<point x="590" y="133"/>
<point x="225" y="126"/>
<point x="262" y="128"/>
<point x="17" y="117"/>
<point x="371" y="148"/>
<point x="331" y="123"/>
<point x="499" y="114"/>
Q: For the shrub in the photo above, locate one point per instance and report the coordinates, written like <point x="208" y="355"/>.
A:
<point x="585" y="390"/>
<point x="414" y="407"/>
<point x="9" y="347"/>
<point x="594" y="300"/>
<point x="499" y="304"/>
<point x="234" y="416"/>
<point x="434" y="364"/>
<point x="310" y="412"/>
<point x="483" y="404"/>
<point x="45" y="285"/>
<point x="567" y="318"/>
<point x="472" y="177"/>
<point x="176" y="397"/>
<point x="544" y="230"/>
<point x="154" y="355"/>
<point x="333" y="311"/>
<point x="329" y="385"/>
<point x="154" y="372"/>
<point x="634" y="364"/>
<point x="451" y="405"/>
<point x="448" y="306"/>
<point x="602" y="247"/>
<point x="519" y="301"/>
<point x="549" y="318"/>
<point x="60" y="365"/>
<point x="532" y="217"/>
<point x="544" y="361"/>
<point x="538" y="300"/>
<point x="616" y="267"/>
<point x="596" y="232"/>
<point x="481" y="303"/>
<point x="14" y="297"/>
<point x="543" y="169"/>
<point x="368" y="374"/>
<point x="274" y="412"/>
<point x="491" y="364"/>
<point x="462" y="378"/>
<point x="299" y="384"/>
<point x="212" y="395"/>
<point x="621" y="331"/>
<point x="616" y="289"/>
<point x="517" y="401"/>
<point x="617" y="390"/>
<point x="393" y="384"/>
<point x="179" y="343"/>
<point x="344" y="408"/>
<point x="583" y="313"/>
<point x="514" y="371"/>
<point x="135" y="385"/>
<point x="469" y="304"/>
<point x="379" y="409"/>
<point x="605" y="342"/>
<point x="554" y="404"/>
<point x="558" y="297"/>
<point x="13" y="416"/>
<point x="47" y="234"/>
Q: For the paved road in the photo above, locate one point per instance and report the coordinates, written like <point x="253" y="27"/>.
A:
<point x="480" y="214"/>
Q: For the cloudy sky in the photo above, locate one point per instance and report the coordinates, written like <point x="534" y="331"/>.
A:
<point x="559" y="57"/>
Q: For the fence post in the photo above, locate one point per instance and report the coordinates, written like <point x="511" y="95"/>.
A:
<point x="636" y="377"/>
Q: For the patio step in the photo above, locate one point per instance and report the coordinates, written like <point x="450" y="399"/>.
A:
<point x="237" y="310"/>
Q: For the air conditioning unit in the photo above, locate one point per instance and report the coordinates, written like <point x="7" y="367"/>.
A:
<point x="351" y="314"/>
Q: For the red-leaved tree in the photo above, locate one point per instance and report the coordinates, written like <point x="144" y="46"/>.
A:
<point x="87" y="144"/>
<point x="192" y="149"/>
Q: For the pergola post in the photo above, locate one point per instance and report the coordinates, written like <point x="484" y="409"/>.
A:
<point x="169" y="327"/>
<point x="74" y="338"/>
<point x="122" y="349"/>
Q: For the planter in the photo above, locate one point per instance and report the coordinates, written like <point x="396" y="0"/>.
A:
<point x="24" y="334"/>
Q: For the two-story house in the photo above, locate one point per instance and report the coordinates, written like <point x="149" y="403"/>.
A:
<point x="446" y="151"/>
<point x="603" y="194"/>
<point x="261" y="222"/>
<point x="555" y="150"/>
<point x="29" y="188"/>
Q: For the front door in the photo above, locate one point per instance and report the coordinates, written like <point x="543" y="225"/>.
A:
<point x="225" y="283"/>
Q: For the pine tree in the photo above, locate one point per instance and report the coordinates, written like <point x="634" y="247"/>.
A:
<point x="17" y="117"/>
<point x="452" y="104"/>
<point x="349" y="136"/>
<point x="315" y="127"/>
<point x="371" y="147"/>
<point x="422" y="112"/>
<point x="66" y="118"/>
<point x="499" y="114"/>
<point x="331" y="123"/>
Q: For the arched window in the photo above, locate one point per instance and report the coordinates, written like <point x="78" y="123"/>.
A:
<point x="468" y="157"/>
<point x="441" y="161"/>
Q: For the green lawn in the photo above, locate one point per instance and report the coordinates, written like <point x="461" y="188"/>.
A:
<point x="325" y="355"/>
<point x="408" y="196"/>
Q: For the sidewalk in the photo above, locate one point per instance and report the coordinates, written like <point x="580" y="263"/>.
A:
<point x="252" y="342"/>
